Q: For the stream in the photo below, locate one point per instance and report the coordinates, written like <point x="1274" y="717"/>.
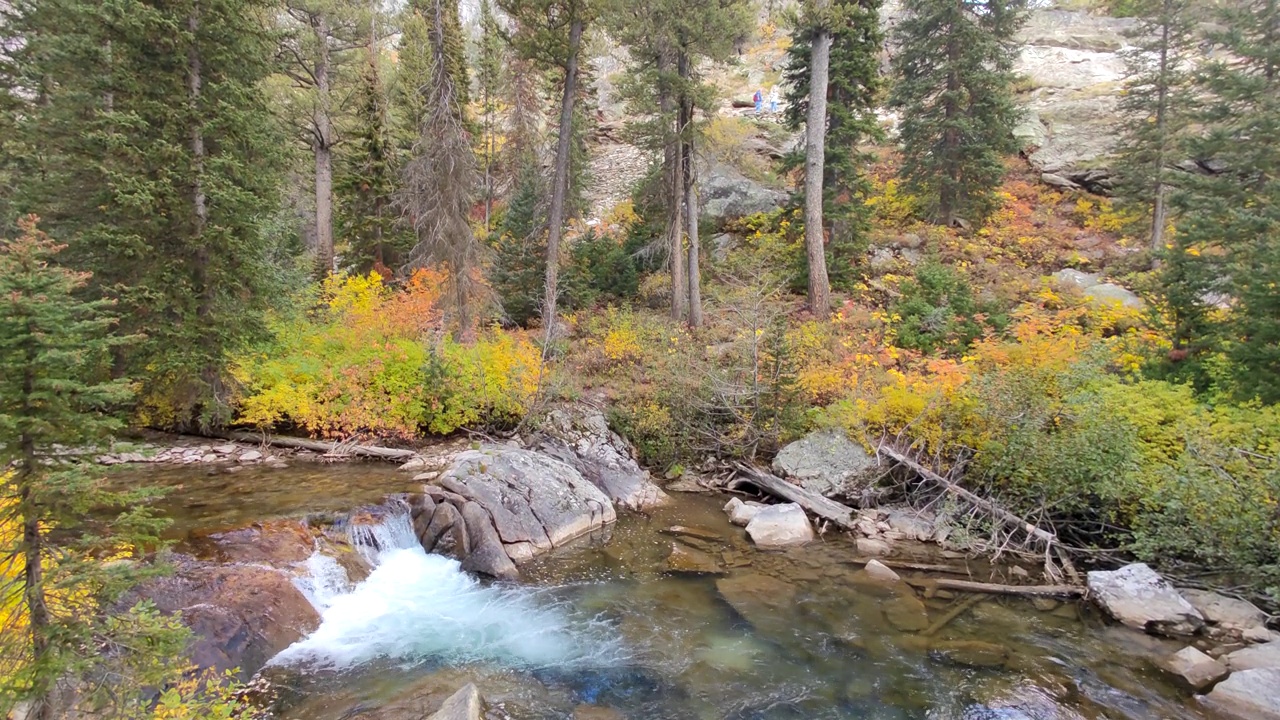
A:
<point x="599" y="630"/>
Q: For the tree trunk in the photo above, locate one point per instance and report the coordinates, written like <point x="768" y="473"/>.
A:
<point x="561" y="182"/>
<point x="199" y="202"/>
<point x="814" y="165"/>
<point x="673" y="165"/>
<point x="1158" y="211"/>
<point x="690" y="193"/>
<point x="33" y="554"/>
<point x="323" y="147"/>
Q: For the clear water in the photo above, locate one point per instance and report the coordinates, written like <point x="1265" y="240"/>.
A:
<point x="599" y="631"/>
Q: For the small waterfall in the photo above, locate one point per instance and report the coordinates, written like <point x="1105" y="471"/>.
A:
<point x="323" y="580"/>
<point x="393" y="531"/>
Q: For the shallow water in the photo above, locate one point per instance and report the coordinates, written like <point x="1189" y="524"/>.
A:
<point x="597" y="630"/>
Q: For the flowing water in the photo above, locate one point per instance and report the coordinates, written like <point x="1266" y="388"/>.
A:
<point x="597" y="630"/>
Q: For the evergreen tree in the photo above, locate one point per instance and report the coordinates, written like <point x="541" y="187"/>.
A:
<point x="440" y="179"/>
<point x="853" y="91"/>
<point x="55" y="521"/>
<point x="952" y="79"/>
<point x="1231" y="219"/>
<point x="489" y="79"/>
<point x="1154" y="107"/>
<point x="154" y="155"/>
<point x="368" y="182"/>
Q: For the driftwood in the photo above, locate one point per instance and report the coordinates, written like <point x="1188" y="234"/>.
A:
<point x="328" y="448"/>
<point x="970" y="586"/>
<point x="960" y="608"/>
<point x="1043" y="537"/>
<point x="816" y="504"/>
<point x="921" y="567"/>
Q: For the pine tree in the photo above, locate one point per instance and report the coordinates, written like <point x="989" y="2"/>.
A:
<point x="55" y="520"/>
<point x="440" y="179"/>
<point x="853" y="92"/>
<point x="952" y="81"/>
<point x="367" y="184"/>
<point x="490" y="79"/>
<point x="1231" y="219"/>
<point x="1154" y="107"/>
<point x="155" y="156"/>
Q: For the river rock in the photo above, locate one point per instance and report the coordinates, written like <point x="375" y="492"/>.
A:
<point x="1266" y="655"/>
<point x="741" y="513"/>
<point x="462" y="705"/>
<point x="536" y="502"/>
<point x="970" y="653"/>
<point x="904" y="611"/>
<point x="580" y="436"/>
<point x="686" y="560"/>
<point x="485" y="556"/>
<point x="1248" y="695"/>
<point x="1225" y="612"/>
<point x="276" y="543"/>
<point x="872" y="547"/>
<point x="240" y="615"/>
<point x="780" y="526"/>
<point x="829" y="463"/>
<point x="1138" y="597"/>
<point x="250" y="456"/>
<point x="760" y="599"/>
<point x="877" y="572"/>
<point x="1193" y="668"/>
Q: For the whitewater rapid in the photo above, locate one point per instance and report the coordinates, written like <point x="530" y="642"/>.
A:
<point x="416" y="608"/>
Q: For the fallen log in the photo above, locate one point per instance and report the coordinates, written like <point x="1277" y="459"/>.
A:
<point x="970" y="586"/>
<point x="328" y="448"/>
<point x="1046" y="538"/>
<point x="812" y="502"/>
<point x="920" y="567"/>
<point x="959" y="609"/>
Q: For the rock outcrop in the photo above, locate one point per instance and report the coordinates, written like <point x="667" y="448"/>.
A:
<point x="1138" y="597"/>
<point x="778" y="526"/>
<point x="1248" y="695"/>
<point x="501" y="505"/>
<point x="1099" y="292"/>
<point x="728" y="194"/>
<point x="829" y="463"/>
<point x="579" y="436"/>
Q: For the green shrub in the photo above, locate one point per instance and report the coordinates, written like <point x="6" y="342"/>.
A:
<point x="938" y="311"/>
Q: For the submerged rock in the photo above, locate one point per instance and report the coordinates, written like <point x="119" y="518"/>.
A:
<point x="780" y="526"/>
<point x="761" y="600"/>
<point x="829" y="463"/>
<point x="579" y="436"/>
<point x="1138" y="597"/>
<point x="877" y="572"/>
<point x="462" y="705"/>
<point x="684" y="559"/>
<point x="970" y="653"/>
<point x="1194" y="669"/>
<point x="1248" y="694"/>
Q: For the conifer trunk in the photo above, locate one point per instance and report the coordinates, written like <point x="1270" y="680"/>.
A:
<point x="561" y="182"/>
<point x="815" y="160"/>
<point x="673" y="165"/>
<point x="323" y="146"/>
<point x="1158" y="211"/>
<point x="690" y="193"/>
<point x="33" y="551"/>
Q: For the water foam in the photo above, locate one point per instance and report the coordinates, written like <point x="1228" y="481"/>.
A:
<point x="416" y="607"/>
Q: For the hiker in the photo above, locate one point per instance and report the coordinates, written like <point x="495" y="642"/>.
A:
<point x="773" y="99"/>
<point x="758" y="99"/>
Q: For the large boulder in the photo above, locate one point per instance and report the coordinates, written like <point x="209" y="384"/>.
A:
<point x="780" y="526"/>
<point x="1224" y="612"/>
<point x="1248" y="695"/>
<point x="728" y="194"/>
<point x="1139" y="598"/>
<point x="829" y="463"/>
<point x="580" y="436"/>
<point x="240" y="615"/>
<point x="534" y="502"/>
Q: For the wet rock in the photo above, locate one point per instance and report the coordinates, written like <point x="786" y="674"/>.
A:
<point x="684" y="531"/>
<point x="485" y="555"/>
<point x="1266" y="655"/>
<point x="780" y="526"/>
<point x="437" y="537"/>
<point x="240" y="615"/>
<point x="741" y="513"/>
<point x="1193" y="668"/>
<point x="275" y="543"/>
<point x="905" y="612"/>
<point x="970" y="653"/>
<point x="421" y="510"/>
<point x="1044" y="604"/>
<point x="1225" y="612"/>
<point x="686" y="560"/>
<point x="829" y="463"/>
<point x="871" y="547"/>
<point x="762" y="600"/>
<point x="1248" y="694"/>
<point x="877" y="572"/>
<point x="426" y="476"/>
<point x="250" y="456"/>
<point x="595" y="712"/>
<point x="579" y="436"/>
<point x="536" y="502"/>
<point x="1139" y="598"/>
<point x="462" y="705"/>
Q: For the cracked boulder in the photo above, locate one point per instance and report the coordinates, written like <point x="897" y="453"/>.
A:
<point x="579" y="436"/>
<point x="501" y="505"/>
